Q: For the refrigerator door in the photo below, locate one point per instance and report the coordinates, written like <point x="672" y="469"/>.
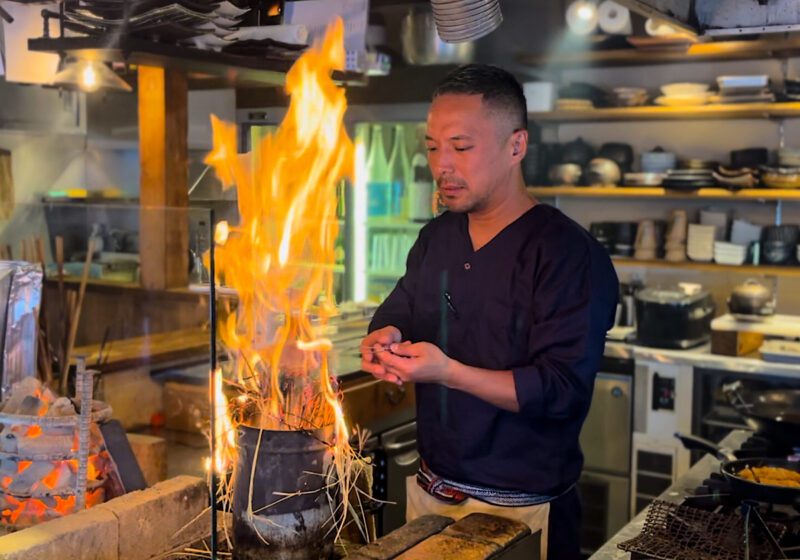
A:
<point x="606" y="435"/>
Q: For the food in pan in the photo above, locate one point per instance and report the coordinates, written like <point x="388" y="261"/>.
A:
<point x="774" y="476"/>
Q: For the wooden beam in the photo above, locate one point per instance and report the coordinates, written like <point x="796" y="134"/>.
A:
<point x="163" y="218"/>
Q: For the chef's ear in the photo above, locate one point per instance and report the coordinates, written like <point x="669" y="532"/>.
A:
<point x="519" y="144"/>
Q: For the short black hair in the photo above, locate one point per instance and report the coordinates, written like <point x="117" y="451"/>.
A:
<point x="498" y="87"/>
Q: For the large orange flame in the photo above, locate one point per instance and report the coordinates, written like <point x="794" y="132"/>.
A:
<point x="280" y="256"/>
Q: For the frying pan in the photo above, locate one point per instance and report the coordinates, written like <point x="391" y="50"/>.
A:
<point x="774" y="413"/>
<point x="742" y="487"/>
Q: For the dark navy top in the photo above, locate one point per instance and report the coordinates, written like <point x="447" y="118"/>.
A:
<point x="538" y="300"/>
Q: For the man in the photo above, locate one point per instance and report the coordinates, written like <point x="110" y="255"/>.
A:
<point x="499" y="320"/>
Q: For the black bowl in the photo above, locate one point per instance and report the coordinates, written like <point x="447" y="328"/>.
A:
<point x="604" y="232"/>
<point x="626" y="233"/>
<point x="618" y="152"/>
<point x="750" y="157"/>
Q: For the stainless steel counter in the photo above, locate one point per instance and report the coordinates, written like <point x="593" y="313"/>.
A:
<point x="701" y="357"/>
<point x="674" y="493"/>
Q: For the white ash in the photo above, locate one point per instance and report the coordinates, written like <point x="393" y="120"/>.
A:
<point x="22" y="483"/>
<point x="62" y="407"/>
<point x="28" y="387"/>
<point x="45" y="445"/>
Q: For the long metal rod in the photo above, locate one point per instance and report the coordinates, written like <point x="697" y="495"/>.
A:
<point x="212" y="313"/>
<point x="83" y="386"/>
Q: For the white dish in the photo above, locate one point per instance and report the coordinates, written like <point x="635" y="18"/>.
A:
<point x="682" y="101"/>
<point x="730" y="261"/>
<point x="684" y="89"/>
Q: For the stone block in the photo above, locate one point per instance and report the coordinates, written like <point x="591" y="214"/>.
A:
<point x="151" y="519"/>
<point x="482" y="527"/>
<point x="151" y="454"/>
<point x="186" y="407"/>
<point x="92" y="534"/>
<point x="446" y="546"/>
<point x="402" y="539"/>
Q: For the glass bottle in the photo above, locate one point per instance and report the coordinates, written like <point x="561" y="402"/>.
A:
<point x="399" y="173"/>
<point x="379" y="187"/>
<point x="200" y="247"/>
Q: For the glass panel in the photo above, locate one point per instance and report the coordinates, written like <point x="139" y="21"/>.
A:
<point x="135" y="308"/>
<point x="398" y="191"/>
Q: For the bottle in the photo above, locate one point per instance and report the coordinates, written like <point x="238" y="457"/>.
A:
<point x="420" y="190"/>
<point x="379" y="186"/>
<point x="201" y="245"/>
<point x="399" y="173"/>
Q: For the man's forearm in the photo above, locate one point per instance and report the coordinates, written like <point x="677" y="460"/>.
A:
<point x="494" y="386"/>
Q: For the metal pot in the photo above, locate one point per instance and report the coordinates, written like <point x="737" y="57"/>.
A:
<point x="577" y="152"/>
<point x="422" y="45"/>
<point x="751" y="298"/>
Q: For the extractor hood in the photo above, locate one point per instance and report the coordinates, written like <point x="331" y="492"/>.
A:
<point x="723" y="17"/>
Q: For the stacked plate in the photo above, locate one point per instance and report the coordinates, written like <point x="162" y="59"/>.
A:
<point x="643" y="179"/>
<point x="780" y="177"/>
<point x="159" y="20"/>
<point x="458" y="21"/>
<point x="744" y="89"/>
<point x="683" y="94"/>
<point x="729" y="253"/>
<point x="689" y="179"/>
<point x="630" y="96"/>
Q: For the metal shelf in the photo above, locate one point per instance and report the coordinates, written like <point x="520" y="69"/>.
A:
<point x="695" y="53"/>
<point x="204" y="69"/>
<point x="760" y="270"/>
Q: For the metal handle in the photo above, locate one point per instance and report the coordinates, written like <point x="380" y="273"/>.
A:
<point x="697" y="443"/>
<point x="617" y="392"/>
<point x="401" y="447"/>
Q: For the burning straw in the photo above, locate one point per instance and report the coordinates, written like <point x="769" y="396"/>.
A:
<point x="279" y="259"/>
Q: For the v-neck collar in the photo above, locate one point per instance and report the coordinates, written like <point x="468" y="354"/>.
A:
<point x="468" y="239"/>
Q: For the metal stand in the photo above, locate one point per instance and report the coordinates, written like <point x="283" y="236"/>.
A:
<point x="83" y="390"/>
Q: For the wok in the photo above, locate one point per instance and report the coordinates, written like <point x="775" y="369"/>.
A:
<point x="774" y="413"/>
<point x="742" y="487"/>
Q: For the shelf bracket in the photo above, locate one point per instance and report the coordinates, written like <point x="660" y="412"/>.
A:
<point x="778" y="212"/>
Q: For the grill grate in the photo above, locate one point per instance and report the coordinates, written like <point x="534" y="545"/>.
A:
<point x="674" y="531"/>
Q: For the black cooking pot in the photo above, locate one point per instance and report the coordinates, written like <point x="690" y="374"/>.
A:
<point x="752" y="298"/>
<point x="618" y="152"/>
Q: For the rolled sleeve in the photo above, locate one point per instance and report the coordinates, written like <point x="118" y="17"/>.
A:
<point x="573" y="298"/>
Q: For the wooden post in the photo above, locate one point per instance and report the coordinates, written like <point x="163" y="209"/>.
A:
<point x="164" y="198"/>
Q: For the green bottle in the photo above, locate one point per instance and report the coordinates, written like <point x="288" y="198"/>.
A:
<point x="399" y="173"/>
<point x="379" y="185"/>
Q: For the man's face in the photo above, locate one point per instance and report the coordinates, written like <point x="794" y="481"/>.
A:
<point x="469" y="151"/>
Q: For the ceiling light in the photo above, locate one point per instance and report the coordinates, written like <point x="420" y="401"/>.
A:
<point x="89" y="75"/>
<point x="582" y="17"/>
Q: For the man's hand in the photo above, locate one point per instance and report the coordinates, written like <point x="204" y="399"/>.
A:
<point x="373" y="346"/>
<point x="421" y="362"/>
